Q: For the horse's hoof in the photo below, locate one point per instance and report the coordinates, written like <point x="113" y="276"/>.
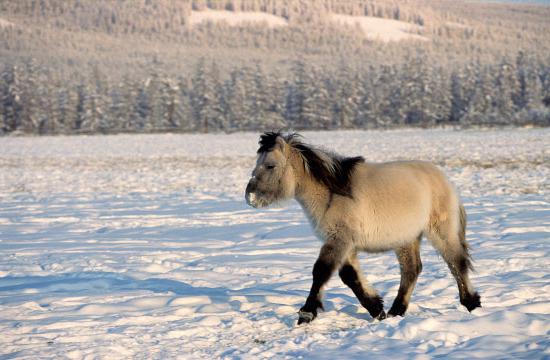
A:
<point x="381" y="316"/>
<point x="375" y="307"/>
<point x="397" y="310"/>
<point x="471" y="302"/>
<point x="305" y="317"/>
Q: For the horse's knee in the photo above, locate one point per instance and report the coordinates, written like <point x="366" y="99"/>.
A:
<point x="409" y="278"/>
<point x="415" y="269"/>
<point x="410" y="263"/>
<point x="348" y="275"/>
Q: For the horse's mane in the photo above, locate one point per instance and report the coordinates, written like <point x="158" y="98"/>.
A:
<point x="328" y="168"/>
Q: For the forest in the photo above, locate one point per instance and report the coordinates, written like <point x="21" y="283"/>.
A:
<point x="110" y="66"/>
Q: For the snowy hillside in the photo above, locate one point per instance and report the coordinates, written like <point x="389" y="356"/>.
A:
<point x="5" y="23"/>
<point x="374" y="28"/>
<point x="236" y="18"/>
<point x="381" y="29"/>
<point x="141" y="246"/>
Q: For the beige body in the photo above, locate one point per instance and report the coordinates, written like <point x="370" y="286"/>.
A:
<point x="392" y="204"/>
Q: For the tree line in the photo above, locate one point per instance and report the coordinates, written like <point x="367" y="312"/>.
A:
<point x="512" y="92"/>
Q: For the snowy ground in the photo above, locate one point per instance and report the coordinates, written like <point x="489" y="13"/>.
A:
<point x="236" y="18"/>
<point x="376" y="28"/>
<point x="141" y="246"/>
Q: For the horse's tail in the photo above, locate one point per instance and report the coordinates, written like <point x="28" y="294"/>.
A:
<point x="462" y="237"/>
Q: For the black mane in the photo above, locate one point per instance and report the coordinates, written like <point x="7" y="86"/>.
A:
<point x="330" y="169"/>
<point x="268" y="140"/>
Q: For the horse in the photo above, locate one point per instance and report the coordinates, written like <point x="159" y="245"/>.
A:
<point x="354" y="206"/>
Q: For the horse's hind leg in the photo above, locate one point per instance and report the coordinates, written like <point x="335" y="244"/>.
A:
<point x="454" y="249"/>
<point x="351" y="275"/>
<point x="411" y="266"/>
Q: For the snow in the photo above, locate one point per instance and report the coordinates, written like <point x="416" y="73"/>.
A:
<point x="373" y="27"/>
<point x="5" y="23"/>
<point x="236" y="18"/>
<point x="141" y="246"/>
<point x="381" y="29"/>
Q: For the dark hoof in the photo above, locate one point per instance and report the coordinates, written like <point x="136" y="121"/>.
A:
<point x="308" y="312"/>
<point x="471" y="301"/>
<point x="306" y="317"/>
<point x="381" y="316"/>
<point x="375" y="306"/>
<point x="397" y="310"/>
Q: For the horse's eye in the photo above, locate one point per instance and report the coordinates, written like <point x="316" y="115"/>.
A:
<point x="270" y="167"/>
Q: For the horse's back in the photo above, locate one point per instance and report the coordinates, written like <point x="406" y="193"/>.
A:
<point x="406" y="180"/>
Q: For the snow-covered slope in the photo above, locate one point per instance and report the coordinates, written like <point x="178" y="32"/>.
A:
<point x="141" y="246"/>
<point x="5" y="23"/>
<point x="374" y="28"/>
<point x="381" y="29"/>
<point x="235" y="18"/>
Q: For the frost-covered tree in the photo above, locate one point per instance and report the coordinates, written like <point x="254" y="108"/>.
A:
<point x="12" y="106"/>
<point x="204" y="99"/>
<point x="183" y="110"/>
<point x="170" y="101"/>
<point x="458" y="100"/>
<point x="347" y="99"/>
<point x="235" y="100"/>
<point x="142" y="107"/>
<point x="480" y="96"/>
<point x="32" y="92"/>
<point x="503" y="96"/>
<point x="66" y="109"/>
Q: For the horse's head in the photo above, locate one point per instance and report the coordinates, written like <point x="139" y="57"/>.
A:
<point x="273" y="178"/>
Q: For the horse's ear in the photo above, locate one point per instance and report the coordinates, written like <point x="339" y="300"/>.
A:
<point x="281" y="143"/>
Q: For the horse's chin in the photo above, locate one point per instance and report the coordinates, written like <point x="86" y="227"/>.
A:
<point x="259" y="205"/>
<point x="257" y="202"/>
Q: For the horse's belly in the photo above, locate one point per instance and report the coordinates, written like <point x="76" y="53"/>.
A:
<point x="383" y="234"/>
<point x="373" y="243"/>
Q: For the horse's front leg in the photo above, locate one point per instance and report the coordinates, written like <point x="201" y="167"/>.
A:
<point x="331" y="256"/>
<point x="351" y="275"/>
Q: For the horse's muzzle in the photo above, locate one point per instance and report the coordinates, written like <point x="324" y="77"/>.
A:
<point x="250" y="195"/>
<point x="251" y="199"/>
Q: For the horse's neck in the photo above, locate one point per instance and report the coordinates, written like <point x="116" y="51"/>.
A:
<point x="313" y="197"/>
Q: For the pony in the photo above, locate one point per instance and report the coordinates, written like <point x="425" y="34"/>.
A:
<point x="353" y="206"/>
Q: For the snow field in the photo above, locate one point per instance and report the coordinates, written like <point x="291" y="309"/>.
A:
<point x="141" y="246"/>
<point x="380" y="29"/>
<point x="236" y="18"/>
<point x="374" y="28"/>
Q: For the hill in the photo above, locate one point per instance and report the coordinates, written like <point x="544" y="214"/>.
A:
<point x="124" y="66"/>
